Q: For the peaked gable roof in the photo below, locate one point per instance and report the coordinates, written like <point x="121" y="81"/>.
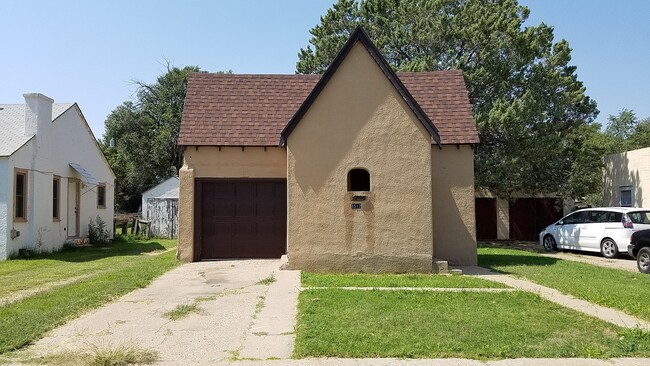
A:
<point x="262" y="110"/>
<point x="359" y="35"/>
<point x="12" y="125"/>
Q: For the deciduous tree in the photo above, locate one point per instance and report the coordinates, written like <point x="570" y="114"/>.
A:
<point x="640" y="138"/>
<point x="622" y="126"/>
<point x="527" y="100"/>
<point x="627" y="132"/>
<point x="140" y="140"/>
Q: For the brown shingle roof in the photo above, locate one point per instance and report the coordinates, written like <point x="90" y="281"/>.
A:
<point x="442" y="95"/>
<point x="252" y="110"/>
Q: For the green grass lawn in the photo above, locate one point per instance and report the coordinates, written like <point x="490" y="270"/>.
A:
<point x="400" y="280"/>
<point x="109" y="272"/>
<point x="20" y="274"/>
<point x="415" y="324"/>
<point x="618" y="289"/>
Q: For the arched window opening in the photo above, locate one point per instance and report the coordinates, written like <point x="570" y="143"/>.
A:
<point x="358" y="180"/>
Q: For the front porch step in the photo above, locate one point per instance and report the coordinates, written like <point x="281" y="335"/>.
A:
<point x="440" y="267"/>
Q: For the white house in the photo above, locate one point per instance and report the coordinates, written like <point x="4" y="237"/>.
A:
<point x="53" y="176"/>
<point x="160" y="208"/>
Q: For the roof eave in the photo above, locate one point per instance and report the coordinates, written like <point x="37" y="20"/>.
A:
<point x="188" y="144"/>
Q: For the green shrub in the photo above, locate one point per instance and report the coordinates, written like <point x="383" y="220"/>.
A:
<point x="97" y="232"/>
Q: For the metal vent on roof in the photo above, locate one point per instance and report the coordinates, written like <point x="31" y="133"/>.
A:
<point x="87" y="177"/>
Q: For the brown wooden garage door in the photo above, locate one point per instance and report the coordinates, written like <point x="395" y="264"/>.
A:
<point x="528" y="216"/>
<point x="240" y="218"/>
<point x="486" y="218"/>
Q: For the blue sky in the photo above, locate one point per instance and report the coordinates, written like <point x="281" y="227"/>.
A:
<point x="89" y="52"/>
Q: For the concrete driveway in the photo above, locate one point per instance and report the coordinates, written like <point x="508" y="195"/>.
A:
<point x="624" y="261"/>
<point x="238" y="317"/>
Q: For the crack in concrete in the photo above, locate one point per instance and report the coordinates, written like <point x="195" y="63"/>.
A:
<point x="235" y="354"/>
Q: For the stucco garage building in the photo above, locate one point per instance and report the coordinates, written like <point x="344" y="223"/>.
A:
<point x="359" y="169"/>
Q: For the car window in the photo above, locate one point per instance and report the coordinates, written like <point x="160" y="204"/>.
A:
<point x="640" y="217"/>
<point x="596" y="216"/>
<point x="614" y="216"/>
<point x="575" y="218"/>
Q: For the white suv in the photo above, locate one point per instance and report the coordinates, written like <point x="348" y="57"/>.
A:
<point x="602" y="229"/>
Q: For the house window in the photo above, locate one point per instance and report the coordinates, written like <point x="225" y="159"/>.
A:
<point x="56" y="194"/>
<point x="358" y="180"/>
<point x="20" y="195"/>
<point x="101" y="195"/>
<point x="626" y="196"/>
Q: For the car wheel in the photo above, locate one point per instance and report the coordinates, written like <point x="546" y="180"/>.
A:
<point x="608" y="248"/>
<point x="643" y="260"/>
<point x="549" y="243"/>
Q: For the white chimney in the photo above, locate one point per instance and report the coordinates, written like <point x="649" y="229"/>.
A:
<point x="38" y="113"/>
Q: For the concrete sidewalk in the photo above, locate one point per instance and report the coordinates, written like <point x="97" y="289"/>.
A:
<point x="613" y="316"/>
<point x="449" y="362"/>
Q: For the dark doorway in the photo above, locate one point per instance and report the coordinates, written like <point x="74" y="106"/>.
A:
<point x="528" y="216"/>
<point x="486" y="218"/>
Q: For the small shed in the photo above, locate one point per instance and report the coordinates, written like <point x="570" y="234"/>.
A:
<point x="160" y="208"/>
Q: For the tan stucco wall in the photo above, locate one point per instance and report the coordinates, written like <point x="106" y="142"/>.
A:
<point x="631" y="168"/>
<point x="185" y="250"/>
<point x="503" y="219"/>
<point x="359" y="121"/>
<point x="454" y="224"/>
<point x="235" y="162"/>
<point x="227" y="162"/>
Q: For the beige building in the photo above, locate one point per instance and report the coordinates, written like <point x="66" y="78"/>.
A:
<point x="519" y="217"/>
<point x="627" y="179"/>
<point x="358" y="169"/>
